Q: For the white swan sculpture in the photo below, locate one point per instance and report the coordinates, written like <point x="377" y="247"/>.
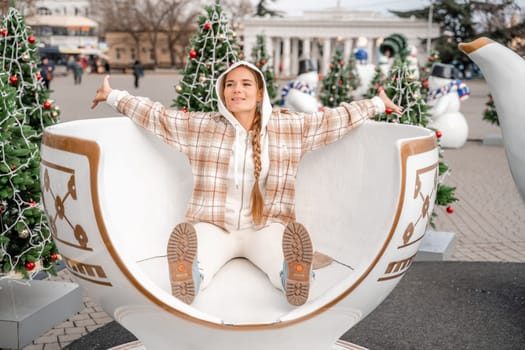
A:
<point x="113" y="192"/>
<point x="504" y="71"/>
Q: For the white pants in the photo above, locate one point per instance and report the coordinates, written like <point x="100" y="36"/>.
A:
<point x="262" y="247"/>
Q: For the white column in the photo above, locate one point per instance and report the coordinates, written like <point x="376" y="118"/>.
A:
<point x="277" y="55"/>
<point x="306" y="48"/>
<point x="247" y="47"/>
<point x="370" y="48"/>
<point x="294" y="61"/>
<point x="348" y="49"/>
<point x="269" y="50"/>
<point x="326" y="56"/>
<point x="315" y="55"/>
<point x="286" y="57"/>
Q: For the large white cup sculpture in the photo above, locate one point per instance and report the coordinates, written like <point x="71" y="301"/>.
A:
<point x="504" y="71"/>
<point x="113" y="192"/>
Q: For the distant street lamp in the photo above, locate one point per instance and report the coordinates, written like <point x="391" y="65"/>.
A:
<point x="431" y="9"/>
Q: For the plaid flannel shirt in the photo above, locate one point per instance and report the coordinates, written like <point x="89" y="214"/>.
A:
<point x="207" y="140"/>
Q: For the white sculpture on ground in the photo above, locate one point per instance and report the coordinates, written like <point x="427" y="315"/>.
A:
<point x="445" y="95"/>
<point x="300" y="94"/>
<point x="504" y="71"/>
<point x="365" y="199"/>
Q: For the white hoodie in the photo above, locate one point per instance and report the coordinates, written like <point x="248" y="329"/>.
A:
<point x="241" y="170"/>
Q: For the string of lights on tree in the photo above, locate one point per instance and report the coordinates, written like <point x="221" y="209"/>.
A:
<point x="213" y="49"/>
<point x="26" y="245"/>
<point x="262" y="61"/>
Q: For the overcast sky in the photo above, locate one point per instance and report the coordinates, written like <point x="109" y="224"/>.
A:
<point x="295" y="7"/>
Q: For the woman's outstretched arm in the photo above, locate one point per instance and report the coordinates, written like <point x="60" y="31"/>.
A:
<point x="102" y="92"/>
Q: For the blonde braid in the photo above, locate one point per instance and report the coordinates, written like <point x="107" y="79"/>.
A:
<point x="257" y="198"/>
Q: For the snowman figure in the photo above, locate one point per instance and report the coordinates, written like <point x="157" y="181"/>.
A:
<point x="300" y="94"/>
<point x="366" y="72"/>
<point x="445" y="95"/>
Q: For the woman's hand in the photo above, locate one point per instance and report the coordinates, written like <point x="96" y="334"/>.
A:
<point x="102" y="92"/>
<point x="388" y="103"/>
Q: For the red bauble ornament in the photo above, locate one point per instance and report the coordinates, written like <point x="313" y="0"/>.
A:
<point x="54" y="256"/>
<point x="431" y="58"/>
<point x="207" y="25"/>
<point x="31" y="39"/>
<point x="47" y="105"/>
<point x="193" y="53"/>
<point x="184" y="110"/>
<point x="450" y="210"/>
<point x="32" y="203"/>
<point x="263" y="61"/>
<point x="257" y="64"/>
<point x="341" y="63"/>
<point x="30" y="265"/>
<point x="425" y="84"/>
<point x="438" y="134"/>
<point x="4" y="32"/>
<point x="38" y="76"/>
<point x="13" y="79"/>
<point x="388" y="110"/>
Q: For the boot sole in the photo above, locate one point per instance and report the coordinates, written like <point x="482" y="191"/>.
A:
<point x="181" y="252"/>
<point x="298" y="255"/>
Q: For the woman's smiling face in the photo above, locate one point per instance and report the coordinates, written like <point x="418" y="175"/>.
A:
<point x="241" y="91"/>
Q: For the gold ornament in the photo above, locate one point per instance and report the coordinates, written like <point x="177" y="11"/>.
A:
<point x="25" y="57"/>
<point x="411" y="77"/>
<point x="24" y="233"/>
<point x="178" y="88"/>
<point x="202" y="78"/>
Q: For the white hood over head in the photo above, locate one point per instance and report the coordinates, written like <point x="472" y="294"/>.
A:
<point x="266" y="106"/>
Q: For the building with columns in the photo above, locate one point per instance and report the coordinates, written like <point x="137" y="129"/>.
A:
<point x="318" y="34"/>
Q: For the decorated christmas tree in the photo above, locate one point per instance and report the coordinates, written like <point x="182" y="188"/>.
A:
<point x="26" y="245"/>
<point x="377" y="82"/>
<point x="213" y="49"/>
<point x="404" y="90"/>
<point x="427" y="69"/>
<point x="490" y="114"/>
<point x="354" y="81"/>
<point x="335" y="85"/>
<point x="262" y="61"/>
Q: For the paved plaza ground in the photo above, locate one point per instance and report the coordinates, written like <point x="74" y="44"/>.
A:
<point x="488" y="219"/>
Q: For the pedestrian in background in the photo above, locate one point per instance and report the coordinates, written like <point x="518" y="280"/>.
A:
<point x="46" y="72"/>
<point x="138" y="72"/>
<point x="77" y="71"/>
